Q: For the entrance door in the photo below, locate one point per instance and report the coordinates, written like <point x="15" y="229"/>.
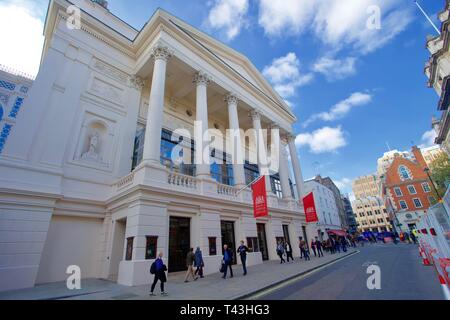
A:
<point x="179" y="243"/>
<point x="262" y="240"/>
<point x="228" y="237"/>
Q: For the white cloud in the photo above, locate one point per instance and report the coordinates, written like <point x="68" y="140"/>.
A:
<point x="22" y="39"/>
<point x="344" y="185"/>
<point x="336" y="22"/>
<point x="322" y="140"/>
<point x="335" y="69"/>
<point x="25" y="39"/>
<point x="284" y="73"/>
<point x="428" y="139"/>
<point x="228" y="15"/>
<point x="279" y="17"/>
<point x="341" y="109"/>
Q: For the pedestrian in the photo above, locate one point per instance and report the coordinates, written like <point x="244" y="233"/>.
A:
<point x="158" y="268"/>
<point x="344" y="244"/>
<point x="300" y="247"/>
<point x="288" y="249"/>
<point x="242" y="250"/>
<point x="337" y="246"/>
<point x="413" y="237"/>
<point x="190" y="259"/>
<point x="228" y="261"/>
<point x="318" y="246"/>
<point x="199" y="262"/>
<point x="313" y="247"/>
<point x="304" y="250"/>
<point x="280" y="252"/>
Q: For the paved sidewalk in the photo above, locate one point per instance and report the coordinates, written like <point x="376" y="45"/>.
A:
<point x="212" y="287"/>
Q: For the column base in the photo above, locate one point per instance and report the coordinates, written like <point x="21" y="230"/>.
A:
<point x="151" y="173"/>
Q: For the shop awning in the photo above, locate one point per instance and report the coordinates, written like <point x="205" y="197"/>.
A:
<point x="339" y="233"/>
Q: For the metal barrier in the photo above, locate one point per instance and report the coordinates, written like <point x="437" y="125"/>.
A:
<point x="434" y="241"/>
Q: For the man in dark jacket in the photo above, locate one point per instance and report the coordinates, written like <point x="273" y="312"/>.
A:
<point x="319" y="247"/>
<point x="190" y="258"/>
<point x="242" y="250"/>
<point x="160" y="275"/>
<point x="288" y="249"/>
<point x="227" y="260"/>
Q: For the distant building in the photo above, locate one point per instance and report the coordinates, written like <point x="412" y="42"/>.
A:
<point x="407" y="189"/>
<point x="366" y="186"/>
<point x="350" y="215"/>
<point x="437" y="70"/>
<point x="327" y="182"/>
<point x="371" y="214"/>
<point x="327" y="210"/>
<point x="14" y="87"/>
<point x="432" y="153"/>
<point x="385" y="161"/>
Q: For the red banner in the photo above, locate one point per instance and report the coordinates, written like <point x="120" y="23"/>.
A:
<point x="260" y="198"/>
<point x="310" y="208"/>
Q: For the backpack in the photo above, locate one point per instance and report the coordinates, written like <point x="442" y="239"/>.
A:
<point x="153" y="268"/>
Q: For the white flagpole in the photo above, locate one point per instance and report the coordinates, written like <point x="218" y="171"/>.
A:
<point x="253" y="182"/>
<point x="428" y="18"/>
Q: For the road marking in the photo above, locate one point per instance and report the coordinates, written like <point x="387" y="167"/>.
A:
<point x="277" y="287"/>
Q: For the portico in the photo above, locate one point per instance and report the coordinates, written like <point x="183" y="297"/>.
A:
<point x="167" y="126"/>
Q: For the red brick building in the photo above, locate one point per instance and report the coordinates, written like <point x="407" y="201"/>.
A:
<point x="408" y="190"/>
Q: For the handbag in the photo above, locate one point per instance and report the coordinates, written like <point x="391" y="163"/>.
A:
<point x="223" y="267"/>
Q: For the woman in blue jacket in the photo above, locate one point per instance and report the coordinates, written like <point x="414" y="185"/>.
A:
<point x="199" y="262"/>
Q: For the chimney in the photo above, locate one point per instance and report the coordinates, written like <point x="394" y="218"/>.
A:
<point x="419" y="157"/>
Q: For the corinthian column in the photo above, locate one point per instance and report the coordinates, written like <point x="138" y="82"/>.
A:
<point x="261" y="150"/>
<point x="202" y="81"/>
<point x="296" y="166"/>
<point x="152" y="144"/>
<point x="283" y="165"/>
<point x="235" y="141"/>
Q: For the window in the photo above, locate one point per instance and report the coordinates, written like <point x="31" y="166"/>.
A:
<point x="276" y="185"/>
<point x="404" y="173"/>
<point x="138" y="152"/>
<point x="251" y="172"/>
<point x="403" y="204"/>
<point x="252" y="244"/>
<point x="212" y="246"/>
<point x="426" y="187"/>
<point x="151" y="247"/>
<point x="221" y="169"/>
<point x="129" y="252"/>
<point x="432" y="200"/>
<point x="418" y="203"/>
<point x="398" y="192"/>
<point x="168" y="143"/>
<point x="412" y="190"/>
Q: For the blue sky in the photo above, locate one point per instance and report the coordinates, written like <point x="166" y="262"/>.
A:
<point x="353" y="88"/>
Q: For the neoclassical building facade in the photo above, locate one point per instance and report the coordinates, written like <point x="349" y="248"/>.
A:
<point x="87" y="178"/>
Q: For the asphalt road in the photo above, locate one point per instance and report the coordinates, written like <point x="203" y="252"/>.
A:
<point x="403" y="277"/>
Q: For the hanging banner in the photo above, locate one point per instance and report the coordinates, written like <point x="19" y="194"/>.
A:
<point x="310" y="208"/>
<point x="260" y="198"/>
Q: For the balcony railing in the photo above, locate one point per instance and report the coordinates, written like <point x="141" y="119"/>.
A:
<point x="181" y="180"/>
<point x="224" y="189"/>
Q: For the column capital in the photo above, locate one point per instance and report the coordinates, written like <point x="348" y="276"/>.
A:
<point x="231" y="98"/>
<point x="255" y="115"/>
<point x="161" y="52"/>
<point x="291" y="138"/>
<point x="202" y="78"/>
<point x="136" y="82"/>
<point x="274" y="126"/>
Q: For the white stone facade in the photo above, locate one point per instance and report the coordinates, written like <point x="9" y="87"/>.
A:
<point x="68" y="194"/>
<point x="327" y="210"/>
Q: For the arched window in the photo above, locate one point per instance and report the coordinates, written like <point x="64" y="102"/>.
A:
<point x="404" y="173"/>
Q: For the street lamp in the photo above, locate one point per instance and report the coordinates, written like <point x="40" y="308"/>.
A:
<point x="427" y="171"/>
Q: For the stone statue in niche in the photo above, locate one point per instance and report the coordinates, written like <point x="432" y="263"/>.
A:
<point x="93" y="151"/>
